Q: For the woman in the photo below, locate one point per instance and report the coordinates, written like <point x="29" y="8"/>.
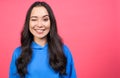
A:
<point x="42" y="53"/>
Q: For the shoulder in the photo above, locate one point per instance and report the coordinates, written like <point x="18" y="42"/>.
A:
<point x="66" y="50"/>
<point x="67" y="53"/>
<point x="17" y="49"/>
<point x="16" y="52"/>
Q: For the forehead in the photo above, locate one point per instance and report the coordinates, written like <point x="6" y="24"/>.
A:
<point x="39" y="11"/>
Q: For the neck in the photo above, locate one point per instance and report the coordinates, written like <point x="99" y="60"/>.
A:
<point x="41" y="42"/>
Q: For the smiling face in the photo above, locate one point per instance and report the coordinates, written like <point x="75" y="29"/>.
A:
<point x="39" y="24"/>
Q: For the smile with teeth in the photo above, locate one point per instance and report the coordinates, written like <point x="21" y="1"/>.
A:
<point x="39" y="31"/>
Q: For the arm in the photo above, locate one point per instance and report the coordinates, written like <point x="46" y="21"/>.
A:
<point x="70" y="69"/>
<point x="13" y="70"/>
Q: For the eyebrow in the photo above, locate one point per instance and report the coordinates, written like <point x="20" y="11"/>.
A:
<point x="37" y="16"/>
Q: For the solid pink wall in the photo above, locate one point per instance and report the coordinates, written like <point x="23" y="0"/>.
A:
<point x="91" y="29"/>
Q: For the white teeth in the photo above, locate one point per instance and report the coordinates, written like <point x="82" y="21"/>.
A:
<point x="39" y="31"/>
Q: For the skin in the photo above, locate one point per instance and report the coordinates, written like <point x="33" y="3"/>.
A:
<point x="39" y="24"/>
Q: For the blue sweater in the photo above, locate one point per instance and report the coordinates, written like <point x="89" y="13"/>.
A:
<point x="39" y="65"/>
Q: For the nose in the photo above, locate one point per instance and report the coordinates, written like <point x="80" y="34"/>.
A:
<point x="39" y="23"/>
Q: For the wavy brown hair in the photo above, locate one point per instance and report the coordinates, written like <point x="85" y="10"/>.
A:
<point x="57" y="59"/>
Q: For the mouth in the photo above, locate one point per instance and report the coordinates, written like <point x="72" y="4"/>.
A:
<point x="39" y="31"/>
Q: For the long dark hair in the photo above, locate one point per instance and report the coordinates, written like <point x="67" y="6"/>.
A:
<point x="57" y="59"/>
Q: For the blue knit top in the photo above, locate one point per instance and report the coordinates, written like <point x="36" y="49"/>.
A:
<point x="39" y="65"/>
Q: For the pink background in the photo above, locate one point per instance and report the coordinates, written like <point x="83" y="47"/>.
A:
<point x="91" y="29"/>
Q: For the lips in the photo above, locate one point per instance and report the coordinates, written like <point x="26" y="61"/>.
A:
<point x="39" y="31"/>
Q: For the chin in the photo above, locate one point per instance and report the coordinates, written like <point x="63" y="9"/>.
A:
<point x="41" y="37"/>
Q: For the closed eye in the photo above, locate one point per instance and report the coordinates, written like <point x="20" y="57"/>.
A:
<point x="33" y="19"/>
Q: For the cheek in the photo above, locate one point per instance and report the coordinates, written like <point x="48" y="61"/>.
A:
<point x="31" y="24"/>
<point x="31" y="27"/>
<point x="47" y="29"/>
<point x="48" y="25"/>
